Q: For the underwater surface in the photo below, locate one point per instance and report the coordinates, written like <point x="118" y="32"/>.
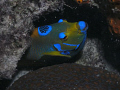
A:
<point x="103" y="20"/>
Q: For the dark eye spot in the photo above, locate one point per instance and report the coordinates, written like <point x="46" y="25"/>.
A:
<point x="65" y="37"/>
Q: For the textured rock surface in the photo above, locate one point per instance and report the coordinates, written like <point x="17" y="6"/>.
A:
<point x="93" y="55"/>
<point x="15" y="23"/>
<point x="68" y="77"/>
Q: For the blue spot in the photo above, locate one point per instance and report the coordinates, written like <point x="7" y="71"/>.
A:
<point x="58" y="47"/>
<point x="62" y="35"/>
<point x="44" y="30"/>
<point x="82" y="25"/>
<point x="65" y="53"/>
<point x="77" y="46"/>
<point x="72" y="45"/>
<point x="61" y="20"/>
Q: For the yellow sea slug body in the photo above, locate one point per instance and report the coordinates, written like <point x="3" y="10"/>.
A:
<point x="58" y="39"/>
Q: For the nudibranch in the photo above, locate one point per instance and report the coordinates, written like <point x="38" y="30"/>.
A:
<point x="59" y="39"/>
<point x="114" y="26"/>
<point x="114" y="1"/>
<point x="83" y="1"/>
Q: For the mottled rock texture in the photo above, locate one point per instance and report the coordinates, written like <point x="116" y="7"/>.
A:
<point x="16" y="18"/>
<point x="68" y="77"/>
<point x="93" y="55"/>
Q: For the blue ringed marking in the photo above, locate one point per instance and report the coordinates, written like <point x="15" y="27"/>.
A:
<point x="44" y="30"/>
